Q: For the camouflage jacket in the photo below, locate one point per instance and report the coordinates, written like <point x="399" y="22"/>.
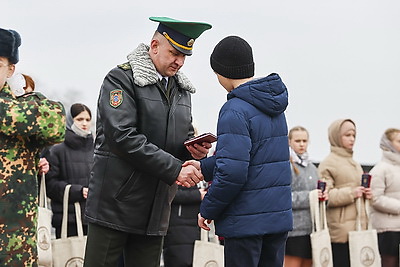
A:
<point x="28" y="124"/>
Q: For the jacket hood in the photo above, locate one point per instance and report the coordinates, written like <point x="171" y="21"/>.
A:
<point x="387" y="145"/>
<point x="334" y="132"/>
<point x="268" y="94"/>
<point x="145" y="73"/>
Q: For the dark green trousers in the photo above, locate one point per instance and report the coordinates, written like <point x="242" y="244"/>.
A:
<point x="105" y="245"/>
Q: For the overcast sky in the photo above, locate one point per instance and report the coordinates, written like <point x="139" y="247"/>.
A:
<point x="339" y="59"/>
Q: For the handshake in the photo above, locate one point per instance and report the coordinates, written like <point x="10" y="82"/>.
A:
<point x="190" y="174"/>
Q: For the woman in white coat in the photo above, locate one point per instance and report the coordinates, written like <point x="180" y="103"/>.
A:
<point x="385" y="185"/>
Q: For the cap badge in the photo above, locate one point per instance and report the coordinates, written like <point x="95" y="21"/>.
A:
<point x="190" y="42"/>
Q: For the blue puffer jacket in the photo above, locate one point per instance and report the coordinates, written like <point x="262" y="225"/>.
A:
<point x="250" y="193"/>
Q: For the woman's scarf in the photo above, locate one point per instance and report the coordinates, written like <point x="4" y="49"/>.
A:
<point x="302" y="160"/>
<point x="79" y="131"/>
<point x="387" y="145"/>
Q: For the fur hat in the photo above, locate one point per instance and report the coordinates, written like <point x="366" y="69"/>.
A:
<point x="233" y="58"/>
<point x="10" y="40"/>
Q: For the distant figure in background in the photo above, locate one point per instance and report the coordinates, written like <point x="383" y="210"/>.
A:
<point x="21" y="84"/>
<point x="28" y="124"/>
<point x="30" y="84"/>
<point x="183" y="229"/>
<point x="343" y="177"/>
<point x="385" y="186"/>
<point x="70" y="163"/>
<point x="304" y="180"/>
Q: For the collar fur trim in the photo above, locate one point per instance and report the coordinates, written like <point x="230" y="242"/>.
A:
<point x="145" y="73"/>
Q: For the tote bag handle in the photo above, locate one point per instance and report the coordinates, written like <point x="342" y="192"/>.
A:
<point x="65" y="215"/>
<point x="42" y="193"/>
<point x="367" y="213"/>
<point x="204" y="236"/>
<point x="318" y="212"/>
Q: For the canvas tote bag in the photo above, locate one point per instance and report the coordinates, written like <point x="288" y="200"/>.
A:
<point x="320" y="238"/>
<point x="44" y="228"/>
<point x="69" y="251"/>
<point x="363" y="244"/>
<point x="206" y="253"/>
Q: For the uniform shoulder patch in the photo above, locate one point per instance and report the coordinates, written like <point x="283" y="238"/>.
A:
<point x="125" y="66"/>
<point x="116" y="98"/>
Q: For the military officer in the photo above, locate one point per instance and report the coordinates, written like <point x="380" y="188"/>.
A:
<point x="143" y="118"/>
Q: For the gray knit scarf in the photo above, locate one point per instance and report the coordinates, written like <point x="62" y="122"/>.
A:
<point x="79" y="131"/>
<point x="302" y="159"/>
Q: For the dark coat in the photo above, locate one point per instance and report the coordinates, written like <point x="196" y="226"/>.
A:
<point x="70" y="163"/>
<point x="139" y="147"/>
<point x="250" y="194"/>
<point x="183" y="229"/>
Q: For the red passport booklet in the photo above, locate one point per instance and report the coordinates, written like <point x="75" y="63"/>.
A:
<point x="206" y="137"/>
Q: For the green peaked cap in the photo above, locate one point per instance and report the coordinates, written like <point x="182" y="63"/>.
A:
<point x="188" y="28"/>
<point x="180" y="34"/>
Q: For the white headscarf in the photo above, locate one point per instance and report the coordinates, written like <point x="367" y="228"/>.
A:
<point x="17" y="83"/>
<point x="387" y="145"/>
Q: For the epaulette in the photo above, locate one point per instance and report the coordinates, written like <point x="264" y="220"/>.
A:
<point x="125" y="66"/>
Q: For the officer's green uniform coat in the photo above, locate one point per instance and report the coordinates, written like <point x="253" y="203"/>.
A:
<point x="27" y="125"/>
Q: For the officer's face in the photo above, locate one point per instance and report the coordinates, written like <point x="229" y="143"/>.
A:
<point x="166" y="58"/>
<point x="6" y="70"/>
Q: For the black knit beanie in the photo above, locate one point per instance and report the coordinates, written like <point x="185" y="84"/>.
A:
<point x="233" y="58"/>
<point x="10" y="40"/>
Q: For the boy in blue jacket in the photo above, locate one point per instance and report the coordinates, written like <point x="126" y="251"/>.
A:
<point x="250" y="197"/>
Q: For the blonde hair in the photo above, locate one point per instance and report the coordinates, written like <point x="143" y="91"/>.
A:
<point x="295" y="129"/>
<point x="390" y="133"/>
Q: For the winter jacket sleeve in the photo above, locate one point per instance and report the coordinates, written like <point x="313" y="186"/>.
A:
<point x="232" y="162"/>
<point x="337" y="196"/>
<point x="207" y="167"/>
<point x="33" y="116"/>
<point x="382" y="202"/>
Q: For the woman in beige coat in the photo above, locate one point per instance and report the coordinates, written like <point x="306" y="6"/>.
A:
<point x="385" y="186"/>
<point x="343" y="176"/>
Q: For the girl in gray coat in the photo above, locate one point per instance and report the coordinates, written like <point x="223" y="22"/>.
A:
<point x="304" y="180"/>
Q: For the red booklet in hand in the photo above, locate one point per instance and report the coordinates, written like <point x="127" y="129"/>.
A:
<point x="206" y="137"/>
